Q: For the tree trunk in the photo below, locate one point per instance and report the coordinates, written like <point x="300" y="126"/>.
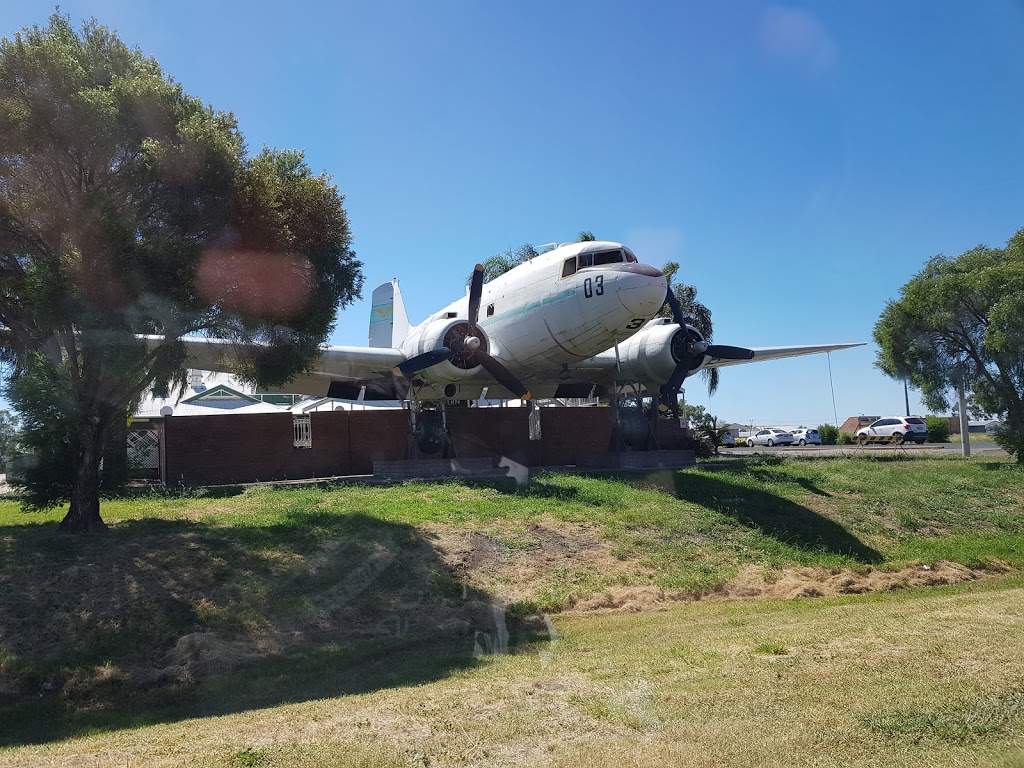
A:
<point x="84" y="513"/>
<point x="115" y="456"/>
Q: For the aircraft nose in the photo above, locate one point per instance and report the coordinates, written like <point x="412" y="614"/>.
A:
<point x="641" y="289"/>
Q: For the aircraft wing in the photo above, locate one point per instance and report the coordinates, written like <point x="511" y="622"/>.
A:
<point x="777" y="353"/>
<point x="339" y="372"/>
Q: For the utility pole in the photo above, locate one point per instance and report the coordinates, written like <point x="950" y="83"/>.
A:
<point x="965" y="430"/>
<point x="906" y="397"/>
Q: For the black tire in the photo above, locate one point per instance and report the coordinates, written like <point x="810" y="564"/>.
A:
<point x="770" y="442"/>
<point x="862" y="439"/>
<point x="898" y="438"/>
<point x="802" y="442"/>
<point x="750" y="443"/>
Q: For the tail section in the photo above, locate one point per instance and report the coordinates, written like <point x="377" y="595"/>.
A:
<point x="389" y="324"/>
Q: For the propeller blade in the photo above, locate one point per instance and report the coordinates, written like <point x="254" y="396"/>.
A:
<point x="725" y="352"/>
<point x="418" y="363"/>
<point x="476" y="287"/>
<point x="503" y="376"/>
<point x="677" y="310"/>
<point x="671" y="387"/>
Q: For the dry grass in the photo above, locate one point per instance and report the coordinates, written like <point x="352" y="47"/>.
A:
<point x="258" y="605"/>
<point x="904" y="679"/>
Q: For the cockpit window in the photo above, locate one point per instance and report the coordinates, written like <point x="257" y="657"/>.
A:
<point x="602" y="257"/>
<point x="569" y="267"/>
<point x="629" y="256"/>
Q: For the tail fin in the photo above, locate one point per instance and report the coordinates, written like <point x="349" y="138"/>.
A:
<point x="389" y="324"/>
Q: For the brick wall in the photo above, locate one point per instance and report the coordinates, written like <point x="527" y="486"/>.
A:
<point x="217" y="450"/>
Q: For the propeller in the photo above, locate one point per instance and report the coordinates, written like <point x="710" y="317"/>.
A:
<point x="465" y="347"/>
<point x="692" y="355"/>
<point x="417" y="363"/>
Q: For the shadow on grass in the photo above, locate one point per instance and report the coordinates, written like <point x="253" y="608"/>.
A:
<point x="160" y="620"/>
<point x="773" y="514"/>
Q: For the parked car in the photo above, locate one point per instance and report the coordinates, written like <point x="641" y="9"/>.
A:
<point x="804" y="436"/>
<point x="770" y="437"/>
<point x="728" y="440"/>
<point x="895" y="429"/>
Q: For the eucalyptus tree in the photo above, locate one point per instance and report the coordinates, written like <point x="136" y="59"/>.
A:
<point x="960" y="322"/>
<point x="128" y="207"/>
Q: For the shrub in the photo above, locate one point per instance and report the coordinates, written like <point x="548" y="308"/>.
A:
<point x="844" y="438"/>
<point x="938" y="429"/>
<point x="828" y="433"/>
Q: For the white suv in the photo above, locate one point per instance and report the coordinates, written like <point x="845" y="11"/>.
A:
<point x="894" y="429"/>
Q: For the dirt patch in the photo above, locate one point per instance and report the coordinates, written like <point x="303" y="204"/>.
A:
<point x="517" y="565"/>
<point x="791" y="583"/>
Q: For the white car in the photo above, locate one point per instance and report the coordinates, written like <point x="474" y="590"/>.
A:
<point x="894" y="429"/>
<point x="770" y="437"/>
<point x="728" y="440"/>
<point x="804" y="436"/>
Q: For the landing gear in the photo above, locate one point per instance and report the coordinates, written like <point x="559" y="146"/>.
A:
<point x="428" y="432"/>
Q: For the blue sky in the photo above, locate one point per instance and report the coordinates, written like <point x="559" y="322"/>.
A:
<point x="800" y="161"/>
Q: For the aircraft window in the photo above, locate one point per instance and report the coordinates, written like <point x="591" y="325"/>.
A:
<point x="629" y="256"/>
<point x="597" y="259"/>
<point x="569" y="267"/>
<point x="490" y="310"/>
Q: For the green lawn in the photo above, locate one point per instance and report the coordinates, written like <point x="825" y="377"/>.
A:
<point x="220" y="603"/>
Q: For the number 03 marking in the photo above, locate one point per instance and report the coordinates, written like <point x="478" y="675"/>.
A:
<point x="593" y="287"/>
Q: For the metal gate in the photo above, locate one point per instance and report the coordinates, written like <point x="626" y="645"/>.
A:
<point x="143" y="449"/>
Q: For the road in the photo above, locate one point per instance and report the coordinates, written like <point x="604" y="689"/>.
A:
<point x="948" y="449"/>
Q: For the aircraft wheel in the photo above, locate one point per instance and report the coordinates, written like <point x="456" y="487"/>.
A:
<point x="430" y="435"/>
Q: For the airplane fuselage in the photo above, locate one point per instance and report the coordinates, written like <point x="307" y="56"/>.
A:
<point x="575" y="318"/>
<point x="561" y="307"/>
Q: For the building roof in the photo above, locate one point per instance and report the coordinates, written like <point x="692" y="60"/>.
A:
<point x="207" y="393"/>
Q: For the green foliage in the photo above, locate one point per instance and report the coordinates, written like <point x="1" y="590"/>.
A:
<point x="250" y="758"/>
<point x="500" y="263"/>
<point x="695" y="313"/>
<point x="128" y="207"/>
<point x="962" y="319"/>
<point x="585" y="236"/>
<point x="706" y="426"/>
<point x="828" y="433"/>
<point x="771" y="649"/>
<point x="938" y="429"/>
<point x="844" y="438"/>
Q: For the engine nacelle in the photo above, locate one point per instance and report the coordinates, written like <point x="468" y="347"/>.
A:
<point x="445" y="332"/>
<point x="652" y="354"/>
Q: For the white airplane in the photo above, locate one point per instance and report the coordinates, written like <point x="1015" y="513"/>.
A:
<point x="575" y="319"/>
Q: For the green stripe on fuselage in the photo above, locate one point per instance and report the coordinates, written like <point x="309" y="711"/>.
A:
<point x="528" y="307"/>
